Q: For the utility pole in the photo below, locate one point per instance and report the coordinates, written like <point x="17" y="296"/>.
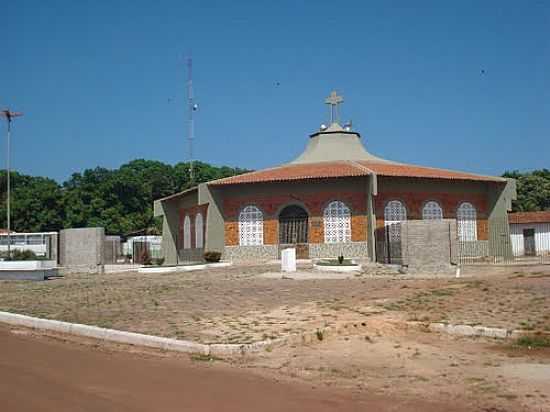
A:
<point x="191" y="107"/>
<point x="8" y="115"/>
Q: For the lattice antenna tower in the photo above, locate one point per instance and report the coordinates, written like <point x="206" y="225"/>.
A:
<point x="191" y="107"/>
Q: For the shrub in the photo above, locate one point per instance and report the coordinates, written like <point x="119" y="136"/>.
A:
<point x="18" y="254"/>
<point x="320" y="335"/>
<point x="341" y="259"/>
<point x="212" y="257"/>
<point x="534" y="341"/>
<point x="159" y="261"/>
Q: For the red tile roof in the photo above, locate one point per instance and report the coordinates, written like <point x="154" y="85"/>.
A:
<point x="297" y="172"/>
<point x="529" y="217"/>
<point x="346" y="168"/>
<point x="404" y="170"/>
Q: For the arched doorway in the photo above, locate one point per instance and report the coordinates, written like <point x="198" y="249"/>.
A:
<point x="293" y="230"/>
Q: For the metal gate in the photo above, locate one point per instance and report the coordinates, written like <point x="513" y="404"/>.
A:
<point x="112" y="249"/>
<point x="293" y="230"/>
<point x="506" y="244"/>
<point x="388" y="244"/>
<point x="141" y="252"/>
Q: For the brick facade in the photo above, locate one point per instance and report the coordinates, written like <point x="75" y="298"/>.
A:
<point x="314" y="205"/>
<point x="449" y="202"/>
<point x="356" y="201"/>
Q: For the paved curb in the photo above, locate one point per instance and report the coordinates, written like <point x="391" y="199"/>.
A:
<point x="466" y="330"/>
<point x="105" y="334"/>
<point x="338" y="269"/>
<point x="132" y="338"/>
<point x="182" y="268"/>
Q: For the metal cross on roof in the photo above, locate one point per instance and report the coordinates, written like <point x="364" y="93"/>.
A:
<point x="334" y="100"/>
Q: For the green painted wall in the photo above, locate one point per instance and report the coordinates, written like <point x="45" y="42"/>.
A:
<point x="169" y="210"/>
<point x="214" y="240"/>
<point x="500" y="202"/>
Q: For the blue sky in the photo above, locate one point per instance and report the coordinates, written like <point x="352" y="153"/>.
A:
<point x="463" y="85"/>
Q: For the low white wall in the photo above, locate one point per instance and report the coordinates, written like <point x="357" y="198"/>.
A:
<point x="27" y="264"/>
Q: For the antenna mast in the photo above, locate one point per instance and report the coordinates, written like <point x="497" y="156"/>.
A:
<point x="191" y="108"/>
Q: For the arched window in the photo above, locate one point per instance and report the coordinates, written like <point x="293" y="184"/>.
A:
<point x="466" y="222"/>
<point x="251" y="226"/>
<point x="432" y="211"/>
<point x="337" y="221"/>
<point x="199" y="238"/>
<point x="394" y="213"/>
<point x="187" y="232"/>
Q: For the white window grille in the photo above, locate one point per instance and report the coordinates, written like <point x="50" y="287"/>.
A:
<point x="432" y="211"/>
<point x="187" y="233"/>
<point x="466" y="222"/>
<point x="251" y="226"/>
<point x="394" y="213"/>
<point x="199" y="233"/>
<point x="337" y="222"/>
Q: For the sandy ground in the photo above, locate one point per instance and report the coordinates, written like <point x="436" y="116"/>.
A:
<point x="376" y="353"/>
<point x="383" y="367"/>
<point x="391" y="359"/>
<point x="247" y="304"/>
<point x="39" y="374"/>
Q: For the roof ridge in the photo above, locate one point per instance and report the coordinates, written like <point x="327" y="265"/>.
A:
<point x="221" y="179"/>
<point x="440" y="169"/>
<point x="360" y="166"/>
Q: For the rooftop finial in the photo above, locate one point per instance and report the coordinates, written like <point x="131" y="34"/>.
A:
<point x="334" y="100"/>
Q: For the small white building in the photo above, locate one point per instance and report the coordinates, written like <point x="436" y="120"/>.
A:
<point x="39" y="242"/>
<point x="153" y="245"/>
<point x="530" y="233"/>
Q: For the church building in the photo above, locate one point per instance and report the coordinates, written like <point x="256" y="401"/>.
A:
<point x="334" y="199"/>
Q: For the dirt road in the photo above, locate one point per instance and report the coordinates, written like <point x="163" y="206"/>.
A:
<point x="40" y="374"/>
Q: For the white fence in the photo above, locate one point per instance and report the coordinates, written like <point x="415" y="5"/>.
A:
<point x="154" y="246"/>
<point x="38" y="242"/>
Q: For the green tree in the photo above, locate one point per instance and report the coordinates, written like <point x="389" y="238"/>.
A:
<point x="36" y="203"/>
<point x="120" y="200"/>
<point x="533" y="190"/>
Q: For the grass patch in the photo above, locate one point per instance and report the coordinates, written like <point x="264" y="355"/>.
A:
<point x="527" y="325"/>
<point x="203" y="358"/>
<point x="442" y="292"/>
<point x="392" y="306"/>
<point x="320" y="335"/>
<point x="534" y="341"/>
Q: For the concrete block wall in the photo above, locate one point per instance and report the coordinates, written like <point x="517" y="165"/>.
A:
<point x="429" y="243"/>
<point x="82" y="250"/>
<point x="191" y="255"/>
<point x="316" y="251"/>
<point x="333" y="250"/>
<point x="250" y="253"/>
